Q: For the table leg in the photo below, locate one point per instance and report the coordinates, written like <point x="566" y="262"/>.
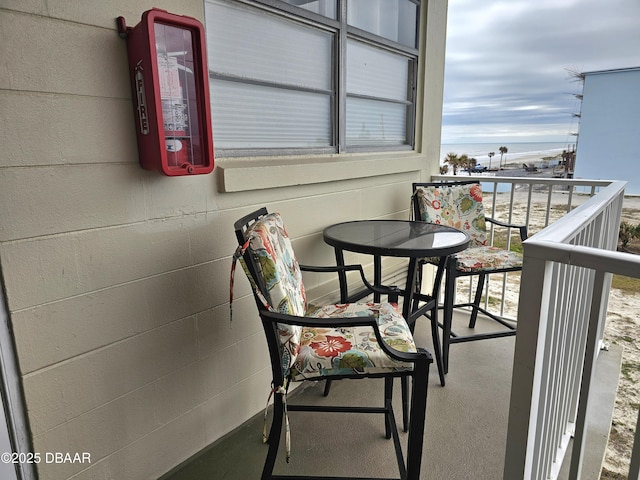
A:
<point x="407" y="306"/>
<point x="435" y="329"/>
<point x="449" y="298"/>
<point x="377" y="276"/>
<point x="407" y="311"/>
<point x="342" y="276"/>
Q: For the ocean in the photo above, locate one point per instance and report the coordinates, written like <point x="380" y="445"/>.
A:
<point x="515" y="151"/>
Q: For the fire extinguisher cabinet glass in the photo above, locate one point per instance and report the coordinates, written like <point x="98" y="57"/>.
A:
<point x="170" y="86"/>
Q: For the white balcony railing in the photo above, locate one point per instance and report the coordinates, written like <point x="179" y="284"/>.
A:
<point x="532" y="201"/>
<point x="564" y="290"/>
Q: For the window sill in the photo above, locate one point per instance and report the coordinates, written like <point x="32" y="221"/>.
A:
<point x="239" y="175"/>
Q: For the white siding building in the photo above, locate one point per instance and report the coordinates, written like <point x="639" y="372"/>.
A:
<point x="610" y="127"/>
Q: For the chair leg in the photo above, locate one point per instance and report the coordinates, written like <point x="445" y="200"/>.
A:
<point x="388" y="394"/>
<point x="435" y="335"/>
<point x="274" y="438"/>
<point x="449" y="298"/>
<point x="404" y="382"/>
<point x="416" y="426"/>
<point x="476" y="301"/>
<point x="327" y="387"/>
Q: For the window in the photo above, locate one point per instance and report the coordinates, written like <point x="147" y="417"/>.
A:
<point x="312" y="76"/>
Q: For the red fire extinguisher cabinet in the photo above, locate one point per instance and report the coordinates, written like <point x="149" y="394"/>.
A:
<point x="170" y="90"/>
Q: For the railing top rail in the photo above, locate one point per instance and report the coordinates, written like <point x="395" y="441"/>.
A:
<point x="619" y="263"/>
<point x="564" y="228"/>
<point x="532" y="180"/>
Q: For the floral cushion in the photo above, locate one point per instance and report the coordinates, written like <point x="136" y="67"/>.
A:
<point x="313" y="352"/>
<point x="352" y="350"/>
<point x="269" y="243"/>
<point x="485" y="259"/>
<point x="458" y="206"/>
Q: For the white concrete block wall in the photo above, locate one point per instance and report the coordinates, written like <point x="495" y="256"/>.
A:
<point x="117" y="278"/>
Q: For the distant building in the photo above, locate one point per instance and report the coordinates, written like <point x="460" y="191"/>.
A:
<point x="609" y="143"/>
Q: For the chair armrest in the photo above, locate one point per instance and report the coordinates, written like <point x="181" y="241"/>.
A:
<point x="523" y="228"/>
<point x="341" y="322"/>
<point x="390" y="290"/>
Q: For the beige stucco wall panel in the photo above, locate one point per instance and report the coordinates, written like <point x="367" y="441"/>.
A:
<point x="244" y="399"/>
<point x="103" y="431"/>
<point x="374" y="197"/>
<point x="189" y="387"/>
<point x="391" y="200"/>
<point x="94" y="196"/>
<point x="155" y="450"/>
<point x="38" y="7"/>
<point x="85" y="197"/>
<point x="64" y="140"/>
<point x="120" y="254"/>
<point x="317" y="198"/>
<point x="217" y="331"/>
<point x="51" y="333"/>
<point x="172" y="196"/>
<point x="306" y="218"/>
<point x="223" y="369"/>
<point x="56" y="267"/>
<point x="218" y="369"/>
<point x="88" y="381"/>
<point x="56" y="331"/>
<point x="154" y="454"/>
<point x="84" y="60"/>
<point x="104" y="13"/>
<point x="69" y="389"/>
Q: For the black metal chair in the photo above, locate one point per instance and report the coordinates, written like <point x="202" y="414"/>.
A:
<point x="459" y="204"/>
<point x="327" y="342"/>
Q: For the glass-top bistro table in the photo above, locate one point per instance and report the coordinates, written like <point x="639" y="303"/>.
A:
<point x="394" y="238"/>
<point x="398" y="238"/>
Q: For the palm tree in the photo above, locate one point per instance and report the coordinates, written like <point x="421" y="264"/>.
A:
<point x="463" y="161"/>
<point x="503" y="150"/>
<point x="466" y="163"/>
<point x="453" y="160"/>
<point x="490" y="154"/>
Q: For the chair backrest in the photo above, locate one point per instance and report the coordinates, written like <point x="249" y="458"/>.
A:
<point x="271" y="266"/>
<point x="456" y="204"/>
<point x="276" y="264"/>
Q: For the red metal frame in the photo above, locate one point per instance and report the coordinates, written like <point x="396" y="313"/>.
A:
<point x="171" y="101"/>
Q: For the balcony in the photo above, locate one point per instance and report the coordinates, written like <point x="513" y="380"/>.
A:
<point x="535" y="407"/>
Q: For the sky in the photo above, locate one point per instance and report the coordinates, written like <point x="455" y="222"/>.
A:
<point x="509" y="62"/>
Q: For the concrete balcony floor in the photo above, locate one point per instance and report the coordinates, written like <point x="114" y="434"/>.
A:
<point x="465" y="433"/>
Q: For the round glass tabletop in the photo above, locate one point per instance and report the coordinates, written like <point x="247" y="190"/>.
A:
<point x="396" y="238"/>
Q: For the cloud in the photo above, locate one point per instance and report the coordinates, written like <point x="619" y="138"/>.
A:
<point x="508" y="62"/>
